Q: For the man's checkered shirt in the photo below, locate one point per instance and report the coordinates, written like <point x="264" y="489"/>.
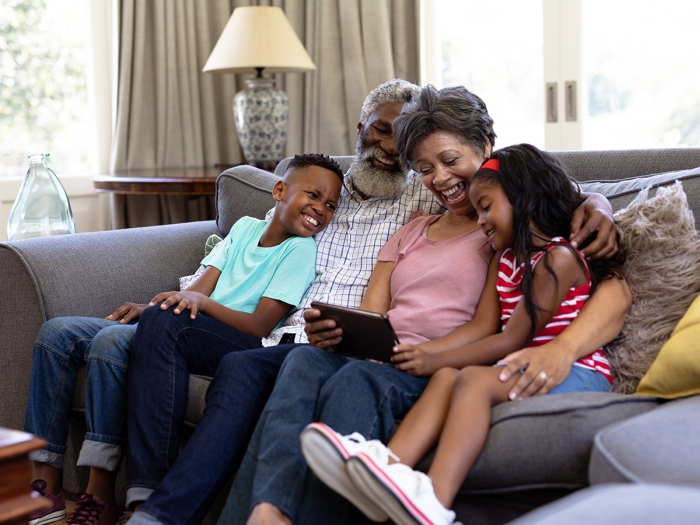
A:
<point x="349" y="246"/>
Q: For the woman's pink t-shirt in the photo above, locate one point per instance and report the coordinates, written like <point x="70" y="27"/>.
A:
<point x="435" y="286"/>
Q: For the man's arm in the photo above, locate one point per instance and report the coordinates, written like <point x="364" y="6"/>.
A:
<point x="594" y="216"/>
<point x="599" y="322"/>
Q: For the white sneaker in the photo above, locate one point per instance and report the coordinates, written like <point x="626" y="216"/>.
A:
<point x="326" y="452"/>
<point x="406" y="495"/>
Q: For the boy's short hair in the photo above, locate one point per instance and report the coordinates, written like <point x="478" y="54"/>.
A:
<point x="316" y="159"/>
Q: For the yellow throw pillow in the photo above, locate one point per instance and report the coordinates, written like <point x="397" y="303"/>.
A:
<point x="676" y="370"/>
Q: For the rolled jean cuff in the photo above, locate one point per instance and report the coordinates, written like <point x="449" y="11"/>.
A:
<point x="98" y="454"/>
<point x="52" y="459"/>
<point x="141" y="517"/>
<point x="137" y="495"/>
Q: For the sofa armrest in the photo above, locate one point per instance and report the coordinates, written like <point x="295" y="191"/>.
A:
<point x="86" y="274"/>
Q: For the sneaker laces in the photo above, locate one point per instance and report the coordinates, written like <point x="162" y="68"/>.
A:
<point x="380" y="451"/>
<point x="87" y="511"/>
<point x="374" y="448"/>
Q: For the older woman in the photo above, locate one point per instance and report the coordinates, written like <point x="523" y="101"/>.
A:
<point x="428" y="279"/>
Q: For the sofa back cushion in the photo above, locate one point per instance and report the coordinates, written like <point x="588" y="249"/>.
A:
<point x="241" y="191"/>
<point x="619" y="175"/>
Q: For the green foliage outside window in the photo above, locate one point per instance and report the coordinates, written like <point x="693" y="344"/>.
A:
<point x="43" y="92"/>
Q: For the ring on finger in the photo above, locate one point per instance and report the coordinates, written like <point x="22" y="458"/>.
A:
<point x="543" y="376"/>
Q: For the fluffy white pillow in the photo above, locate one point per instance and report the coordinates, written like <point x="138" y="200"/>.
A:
<point x="663" y="273"/>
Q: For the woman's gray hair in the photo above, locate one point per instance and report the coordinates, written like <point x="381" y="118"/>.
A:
<point x="396" y="90"/>
<point x="454" y="110"/>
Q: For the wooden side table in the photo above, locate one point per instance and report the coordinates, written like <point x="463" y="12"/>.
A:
<point x="16" y="499"/>
<point x="171" y="181"/>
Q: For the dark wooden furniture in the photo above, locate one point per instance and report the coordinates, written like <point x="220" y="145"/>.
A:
<point x="17" y="501"/>
<point x="171" y="181"/>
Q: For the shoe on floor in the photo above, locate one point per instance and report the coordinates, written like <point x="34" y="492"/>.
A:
<point x="91" y="510"/>
<point x="406" y="495"/>
<point x="326" y="452"/>
<point x="56" y="512"/>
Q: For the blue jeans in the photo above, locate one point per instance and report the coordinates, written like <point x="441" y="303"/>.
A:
<point x="63" y="346"/>
<point x="313" y="385"/>
<point x="582" y="380"/>
<point x="168" y="348"/>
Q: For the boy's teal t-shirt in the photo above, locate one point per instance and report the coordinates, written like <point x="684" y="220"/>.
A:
<point x="249" y="272"/>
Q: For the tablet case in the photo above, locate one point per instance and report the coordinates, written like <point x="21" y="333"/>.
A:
<point x="367" y="335"/>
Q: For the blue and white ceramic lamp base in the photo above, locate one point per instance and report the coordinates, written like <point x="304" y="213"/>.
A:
<point x="261" y="113"/>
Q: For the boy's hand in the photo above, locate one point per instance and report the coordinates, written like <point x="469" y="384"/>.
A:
<point x="127" y="312"/>
<point x="321" y="333"/>
<point x="414" y="360"/>
<point x="594" y="216"/>
<point x="194" y="301"/>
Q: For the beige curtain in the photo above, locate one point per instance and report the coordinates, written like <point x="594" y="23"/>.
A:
<point x="170" y="114"/>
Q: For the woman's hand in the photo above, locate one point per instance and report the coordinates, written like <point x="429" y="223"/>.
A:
<point x="544" y="368"/>
<point x="594" y="216"/>
<point x="414" y="360"/>
<point x="194" y="301"/>
<point x="127" y="312"/>
<point x="321" y="333"/>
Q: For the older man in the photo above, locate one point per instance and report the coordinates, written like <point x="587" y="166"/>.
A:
<point x="381" y="195"/>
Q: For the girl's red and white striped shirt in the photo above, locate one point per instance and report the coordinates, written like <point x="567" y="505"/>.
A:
<point x="509" y="279"/>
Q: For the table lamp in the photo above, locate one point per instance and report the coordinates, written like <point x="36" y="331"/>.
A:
<point x="258" y="38"/>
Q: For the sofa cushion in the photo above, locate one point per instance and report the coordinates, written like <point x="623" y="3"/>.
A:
<point x="663" y="262"/>
<point x="545" y="442"/>
<point x="621" y="504"/>
<point x="676" y="370"/>
<point x="659" y="447"/>
<point x="243" y="191"/>
<point x="622" y="192"/>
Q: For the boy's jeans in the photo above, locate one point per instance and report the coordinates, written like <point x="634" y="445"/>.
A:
<point x="63" y="345"/>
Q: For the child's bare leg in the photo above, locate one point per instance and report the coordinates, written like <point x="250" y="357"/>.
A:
<point x="267" y="514"/>
<point x="476" y="390"/>
<point x="101" y="484"/>
<point x="420" y="429"/>
<point x="51" y="475"/>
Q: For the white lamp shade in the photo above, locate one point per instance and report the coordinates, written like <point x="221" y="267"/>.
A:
<point x="256" y="37"/>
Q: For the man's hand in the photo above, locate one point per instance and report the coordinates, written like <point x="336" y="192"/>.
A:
<point x="594" y="216"/>
<point x="194" y="301"/>
<point x="127" y="312"/>
<point x="321" y="333"/>
<point x="544" y="367"/>
<point x="414" y="360"/>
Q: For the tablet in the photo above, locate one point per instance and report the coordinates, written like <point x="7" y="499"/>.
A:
<point x="366" y="335"/>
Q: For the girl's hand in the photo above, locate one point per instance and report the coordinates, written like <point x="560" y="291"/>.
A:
<point x="414" y="360"/>
<point x="321" y="333"/>
<point x="194" y="301"/>
<point x="549" y="359"/>
<point x="127" y="312"/>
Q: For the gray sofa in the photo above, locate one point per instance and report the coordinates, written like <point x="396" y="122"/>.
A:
<point x="538" y="449"/>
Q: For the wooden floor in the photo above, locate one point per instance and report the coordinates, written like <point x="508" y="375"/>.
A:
<point x="70" y="505"/>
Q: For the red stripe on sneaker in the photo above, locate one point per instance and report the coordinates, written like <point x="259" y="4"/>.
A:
<point x="330" y="435"/>
<point x="396" y="491"/>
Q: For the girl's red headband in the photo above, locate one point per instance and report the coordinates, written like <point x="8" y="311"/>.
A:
<point x="490" y="164"/>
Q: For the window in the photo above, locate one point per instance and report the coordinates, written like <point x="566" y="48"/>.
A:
<point x="43" y="87"/>
<point x="634" y="64"/>
<point x="642" y="68"/>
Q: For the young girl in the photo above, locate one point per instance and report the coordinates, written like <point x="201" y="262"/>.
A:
<point x="525" y="202"/>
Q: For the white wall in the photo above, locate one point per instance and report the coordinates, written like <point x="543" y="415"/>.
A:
<point x="90" y="209"/>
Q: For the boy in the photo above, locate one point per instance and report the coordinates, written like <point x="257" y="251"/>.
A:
<point x="250" y="284"/>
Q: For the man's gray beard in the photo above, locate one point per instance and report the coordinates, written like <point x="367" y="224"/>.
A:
<point x="374" y="182"/>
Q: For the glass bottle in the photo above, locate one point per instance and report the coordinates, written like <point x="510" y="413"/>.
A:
<point x="41" y="207"/>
